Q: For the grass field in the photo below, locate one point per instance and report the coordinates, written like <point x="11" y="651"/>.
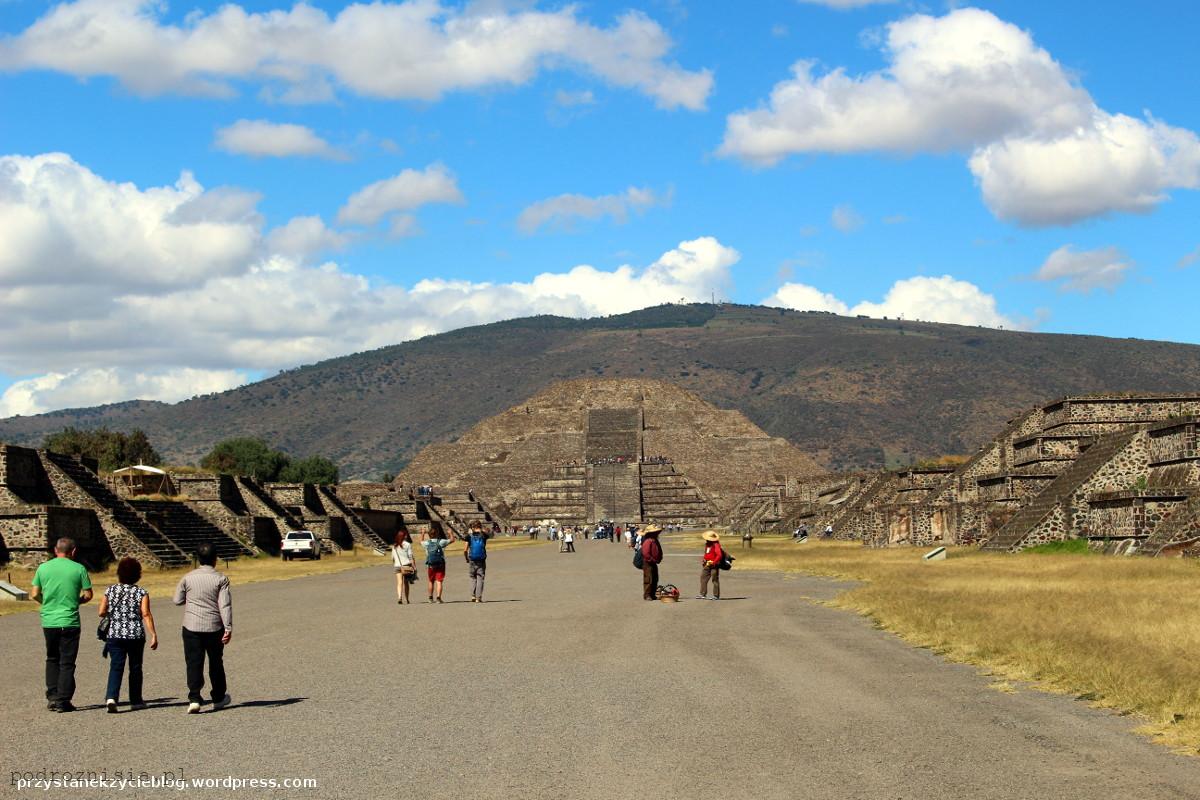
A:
<point x="1120" y="632"/>
<point x="161" y="583"/>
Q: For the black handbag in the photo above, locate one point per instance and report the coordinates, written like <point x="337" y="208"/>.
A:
<point x="102" y="629"/>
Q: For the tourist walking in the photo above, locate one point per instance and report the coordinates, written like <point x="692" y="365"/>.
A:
<point x="207" y="628"/>
<point x="652" y="556"/>
<point x="476" y="554"/>
<point x="710" y="566"/>
<point x="130" y="628"/>
<point x="435" y="559"/>
<point x="60" y="585"/>
<point x="405" y="566"/>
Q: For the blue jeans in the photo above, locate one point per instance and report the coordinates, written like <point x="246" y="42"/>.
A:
<point x="118" y="651"/>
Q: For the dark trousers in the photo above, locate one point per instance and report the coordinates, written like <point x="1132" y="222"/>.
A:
<point x="650" y="581"/>
<point x="62" y="648"/>
<point x="712" y="573"/>
<point x="196" y="647"/>
<point x="120" y="651"/>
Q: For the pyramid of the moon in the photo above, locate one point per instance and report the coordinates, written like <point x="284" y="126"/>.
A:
<point x="611" y="449"/>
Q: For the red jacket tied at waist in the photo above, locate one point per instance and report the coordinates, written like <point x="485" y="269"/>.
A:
<point x="651" y="551"/>
<point x="712" y="553"/>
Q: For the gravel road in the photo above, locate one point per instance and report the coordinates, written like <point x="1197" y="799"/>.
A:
<point x="567" y="685"/>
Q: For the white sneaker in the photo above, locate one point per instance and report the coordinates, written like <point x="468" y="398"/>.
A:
<point x="224" y="701"/>
<point x="112" y="705"/>
<point x="193" y="708"/>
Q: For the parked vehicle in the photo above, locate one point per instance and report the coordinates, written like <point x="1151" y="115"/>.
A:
<point x="300" y="543"/>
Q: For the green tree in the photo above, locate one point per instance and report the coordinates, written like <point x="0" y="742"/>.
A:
<point x="112" y="449"/>
<point x="246" y="456"/>
<point x="314" y="469"/>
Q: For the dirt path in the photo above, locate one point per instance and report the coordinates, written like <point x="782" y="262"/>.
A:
<point x="567" y="685"/>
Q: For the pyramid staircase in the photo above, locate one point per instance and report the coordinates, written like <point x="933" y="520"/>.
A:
<point x="186" y="529"/>
<point x="670" y="497"/>
<point x="251" y="487"/>
<point x="1010" y="537"/>
<point x="563" y="497"/>
<point x="359" y="530"/>
<point x="760" y="510"/>
<point x="1182" y="526"/>
<point x="117" y="510"/>
<point x="866" y="495"/>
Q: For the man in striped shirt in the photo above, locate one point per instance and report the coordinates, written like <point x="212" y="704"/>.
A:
<point x="207" y="627"/>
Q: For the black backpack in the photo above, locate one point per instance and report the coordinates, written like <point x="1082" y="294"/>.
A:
<point x="726" y="561"/>
<point x="638" y="561"/>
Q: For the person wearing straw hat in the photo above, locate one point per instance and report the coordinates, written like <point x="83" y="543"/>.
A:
<point x="652" y="556"/>
<point x="711" y="566"/>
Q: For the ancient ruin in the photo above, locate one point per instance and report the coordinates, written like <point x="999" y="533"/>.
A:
<point x="621" y="450"/>
<point x="1122" y="472"/>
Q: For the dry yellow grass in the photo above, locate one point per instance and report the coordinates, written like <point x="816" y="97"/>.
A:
<point x="161" y="583"/>
<point x="1120" y="632"/>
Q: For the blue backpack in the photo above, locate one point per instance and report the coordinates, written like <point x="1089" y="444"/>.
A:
<point x="478" y="547"/>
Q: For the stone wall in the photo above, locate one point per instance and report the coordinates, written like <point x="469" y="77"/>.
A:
<point x="28" y="537"/>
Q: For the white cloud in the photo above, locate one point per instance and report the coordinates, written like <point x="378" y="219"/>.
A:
<point x="409" y="190"/>
<point x="100" y="330"/>
<point x="1117" y="163"/>
<point x="303" y="237"/>
<point x="81" y="388"/>
<point x="942" y="299"/>
<point x="1084" y="270"/>
<point x="805" y="298"/>
<point x="1189" y="259"/>
<point x="846" y="219"/>
<point x="260" y="138"/>
<point x="572" y="99"/>
<point x="561" y="211"/>
<point x="55" y="212"/>
<point x="1041" y="150"/>
<point x="418" y="49"/>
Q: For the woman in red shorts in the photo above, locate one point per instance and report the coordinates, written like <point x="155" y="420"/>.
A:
<point x="435" y="559"/>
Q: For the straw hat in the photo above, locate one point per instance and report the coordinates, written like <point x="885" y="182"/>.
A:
<point x="649" y="529"/>
<point x="712" y="536"/>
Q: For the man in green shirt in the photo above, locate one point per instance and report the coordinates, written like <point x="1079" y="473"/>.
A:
<point x="60" y="585"/>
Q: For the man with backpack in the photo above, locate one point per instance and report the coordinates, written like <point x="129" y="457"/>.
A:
<point x="435" y="559"/>
<point x="476" y="555"/>
<point x="649" y="555"/>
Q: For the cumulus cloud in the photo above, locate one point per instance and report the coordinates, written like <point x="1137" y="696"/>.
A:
<point x="177" y="315"/>
<point x="846" y="219"/>
<point x="81" y="388"/>
<point x="418" y="49"/>
<point x="561" y="211"/>
<point x="409" y="190"/>
<point x="940" y="299"/>
<point x="260" y="138"/>
<point x="1041" y="150"/>
<point x="304" y="237"/>
<point x="1084" y="270"/>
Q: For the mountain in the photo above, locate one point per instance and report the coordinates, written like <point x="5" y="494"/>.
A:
<point x="851" y="392"/>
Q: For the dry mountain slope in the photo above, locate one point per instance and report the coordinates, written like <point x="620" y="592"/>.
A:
<point x="851" y="392"/>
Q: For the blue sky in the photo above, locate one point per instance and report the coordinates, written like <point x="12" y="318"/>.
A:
<point x="191" y="198"/>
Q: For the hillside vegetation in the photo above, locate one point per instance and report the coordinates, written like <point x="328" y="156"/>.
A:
<point x="853" y="393"/>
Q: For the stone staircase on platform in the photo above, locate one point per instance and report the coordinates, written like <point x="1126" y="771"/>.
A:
<point x="614" y="492"/>
<point x="117" y="516"/>
<point x="186" y="529"/>
<point x="1013" y="535"/>
<point x="671" y="498"/>
<point x="760" y="510"/>
<point x="361" y="532"/>
<point x="563" y="497"/>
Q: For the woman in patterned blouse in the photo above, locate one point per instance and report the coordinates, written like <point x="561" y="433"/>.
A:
<point x="130" y="623"/>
